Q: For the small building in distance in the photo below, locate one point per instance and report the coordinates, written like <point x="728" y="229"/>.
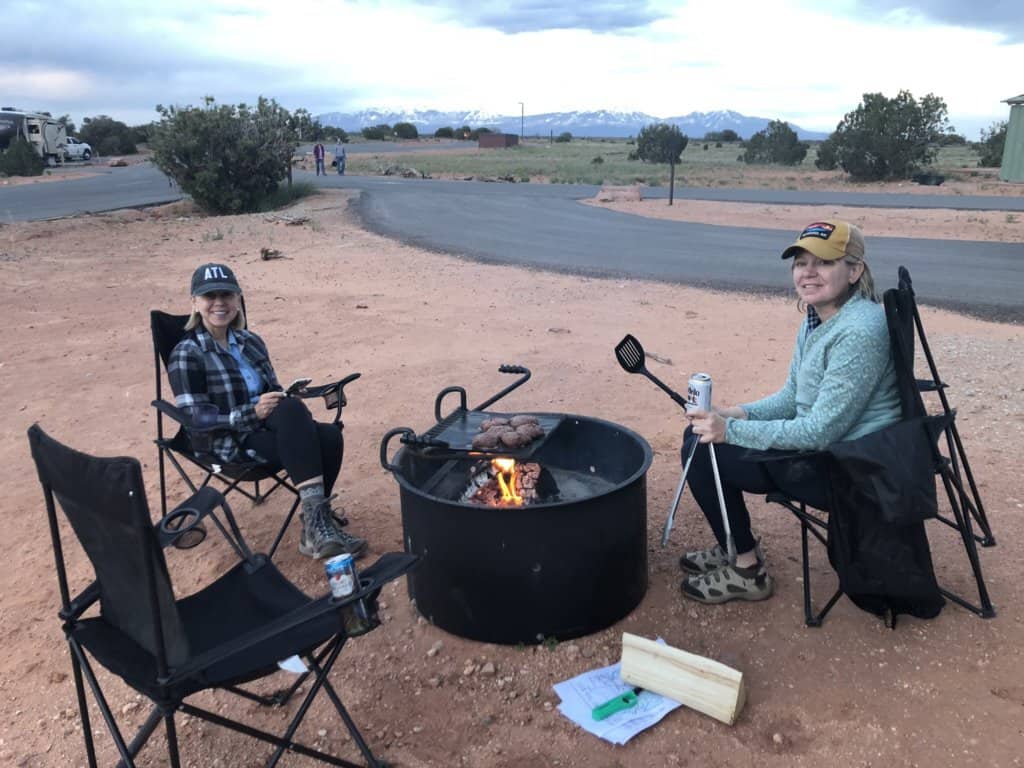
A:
<point x="497" y="140"/>
<point x="1012" y="168"/>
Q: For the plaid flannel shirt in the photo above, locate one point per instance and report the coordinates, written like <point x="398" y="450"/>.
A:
<point x="201" y="371"/>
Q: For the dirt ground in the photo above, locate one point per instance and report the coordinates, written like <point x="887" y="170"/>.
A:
<point x="77" y="359"/>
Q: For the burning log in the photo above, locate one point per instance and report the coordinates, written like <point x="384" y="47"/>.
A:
<point x="504" y="483"/>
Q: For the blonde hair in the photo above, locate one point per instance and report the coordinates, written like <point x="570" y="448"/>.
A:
<point x="195" y="320"/>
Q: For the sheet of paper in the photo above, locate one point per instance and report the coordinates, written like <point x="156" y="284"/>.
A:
<point x="591" y="689"/>
<point x="293" y="664"/>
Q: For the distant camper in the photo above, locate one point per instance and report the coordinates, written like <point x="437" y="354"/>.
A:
<point x="46" y="136"/>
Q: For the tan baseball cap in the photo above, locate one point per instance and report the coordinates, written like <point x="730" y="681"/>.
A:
<point x="829" y="241"/>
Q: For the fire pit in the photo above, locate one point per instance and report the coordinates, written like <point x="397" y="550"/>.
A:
<point x="553" y="547"/>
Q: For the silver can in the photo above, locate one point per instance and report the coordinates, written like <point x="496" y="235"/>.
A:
<point x="698" y="392"/>
<point x="341" y="575"/>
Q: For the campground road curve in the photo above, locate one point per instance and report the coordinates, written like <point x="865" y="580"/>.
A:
<point x="544" y="226"/>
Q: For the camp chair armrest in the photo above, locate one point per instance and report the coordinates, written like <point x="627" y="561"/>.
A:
<point x="333" y="394"/>
<point x="173" y="412"/>
<point x="81" y="602"/>
<point x="188" y="514"/>
<point x="371" y="580"/>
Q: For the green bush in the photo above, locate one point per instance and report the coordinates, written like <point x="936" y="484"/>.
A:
<point x="727" y="135"/>
<point x="108" y="136"/>
<point x="377" y="132"/>
<point x="21" y="159"/>
<point x="474" y="134"/>
<point x="563" y="138"/>
<point x="338" y="135"/>
<point x="229" y="159"/>
<point x="827" y="159"/>
<point x="992" y="143"/>
<point x="406" y="131"/>
<point x="597" y="160"/>
<point x="444" y="133"/>
<point x="890" y="138"/>
<point x="778" y="143"/>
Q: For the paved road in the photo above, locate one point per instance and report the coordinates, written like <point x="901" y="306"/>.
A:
<point x="542" y="225"/>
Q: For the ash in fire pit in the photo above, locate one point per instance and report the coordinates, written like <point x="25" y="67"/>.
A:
<point x="505" y="483"/>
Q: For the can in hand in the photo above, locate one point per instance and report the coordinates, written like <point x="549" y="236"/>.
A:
<point x="698" y="392"/>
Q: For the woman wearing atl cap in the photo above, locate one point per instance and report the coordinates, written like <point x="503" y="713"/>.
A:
<point x="220" y="362"/>
<point x="841" y="386"/>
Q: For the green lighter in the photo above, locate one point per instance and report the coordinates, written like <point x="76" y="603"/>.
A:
<point x="619" y="703"/>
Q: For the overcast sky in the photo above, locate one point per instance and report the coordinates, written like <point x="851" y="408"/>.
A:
<point x="807" y="61"/>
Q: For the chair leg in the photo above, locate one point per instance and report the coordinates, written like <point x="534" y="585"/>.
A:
<point x="985" y="610"/>
<point x="284" y="528"/>
<point x="172" y="739"/>
<point x="83" y="710"/>
<point x="104" y="707"/>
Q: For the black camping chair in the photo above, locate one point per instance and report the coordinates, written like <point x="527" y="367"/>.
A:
<point x="897" y="463"/>
<point x="233" y="631"/>
<point x="167" y="331"/>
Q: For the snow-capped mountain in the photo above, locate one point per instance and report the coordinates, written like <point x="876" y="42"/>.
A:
<point x="588" y="123"/>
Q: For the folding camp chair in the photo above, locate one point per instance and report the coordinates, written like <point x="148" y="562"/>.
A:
<point x="233" y="631"/>
<point x="964" y="501"/>
<point x="167" y="331"/>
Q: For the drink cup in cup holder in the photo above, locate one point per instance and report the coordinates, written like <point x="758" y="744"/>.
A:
<point x="204" y="416"/>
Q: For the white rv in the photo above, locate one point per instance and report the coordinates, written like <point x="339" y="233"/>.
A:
<point x="46" y="135"/>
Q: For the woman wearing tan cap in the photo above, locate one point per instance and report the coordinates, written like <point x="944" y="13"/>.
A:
<point x="841" y="386"/>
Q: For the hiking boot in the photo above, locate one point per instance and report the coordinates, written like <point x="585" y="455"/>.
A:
<point x="707" y="560"/>
<point x="323" y="535"/>
<point x="729" y="582"/>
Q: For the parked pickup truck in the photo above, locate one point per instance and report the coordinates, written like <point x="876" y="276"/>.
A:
<point x="77" y="150"/>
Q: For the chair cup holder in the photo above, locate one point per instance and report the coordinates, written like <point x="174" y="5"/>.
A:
<point x="184" y="527"/>
<point x="360" y="616"/>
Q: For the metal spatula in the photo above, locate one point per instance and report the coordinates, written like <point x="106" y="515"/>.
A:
<point x="630" y="355"/>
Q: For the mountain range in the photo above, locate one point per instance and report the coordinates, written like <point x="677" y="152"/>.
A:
<point x="600" y="123"/>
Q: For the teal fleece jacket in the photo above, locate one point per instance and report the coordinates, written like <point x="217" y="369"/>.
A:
<point x="841" y="386"/>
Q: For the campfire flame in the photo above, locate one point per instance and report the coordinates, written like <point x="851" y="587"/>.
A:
<point x="505" y="472"/>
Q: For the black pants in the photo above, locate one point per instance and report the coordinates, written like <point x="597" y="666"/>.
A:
<point x="739" y="474"/>
<point x="304" y="447"/>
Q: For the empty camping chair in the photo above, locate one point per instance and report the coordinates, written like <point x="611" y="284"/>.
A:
<point x="167" y="331"/>
<point x="883" y="489"/>
<point x="232" y="631"/>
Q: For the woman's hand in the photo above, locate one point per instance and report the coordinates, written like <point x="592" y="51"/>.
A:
<point x="267" y="403"/>
<point x="707" y="425"/>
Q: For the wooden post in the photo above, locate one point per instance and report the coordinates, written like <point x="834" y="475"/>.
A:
<point x="700" y="683"/>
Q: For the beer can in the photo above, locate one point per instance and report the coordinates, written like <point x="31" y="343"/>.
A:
<point x="698" y="392"/>
<point x="341" y="575"/>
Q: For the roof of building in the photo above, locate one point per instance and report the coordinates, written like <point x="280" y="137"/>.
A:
<point x="1015" y="100"/>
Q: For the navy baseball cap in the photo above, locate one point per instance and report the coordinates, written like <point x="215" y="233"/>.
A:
<point x="214" y="277"/>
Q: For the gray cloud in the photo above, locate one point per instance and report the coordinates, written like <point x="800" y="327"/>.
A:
<point x="1002" y="16"/>
<point x="140" y="56"/>
<point x="538" y="15"/>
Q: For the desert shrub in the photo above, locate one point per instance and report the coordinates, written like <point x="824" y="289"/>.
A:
<point x="718" y="145"/>
<point x="474" y="134"/>
<point x="377" y="132"/>
<point x="20" y="159"/>
<point x="406" y="131"/>
<point x="952" y="140"/>
<point x="108" y="136"/>
<point x="778" y="143"/>
<point x="597" y="160"/>
<point x="444" y="133"/>
<point x="727" y="135"/>
<point x="229" y="159"/>
<point x="463" y="132"/>
<point x="993" y="140"/>
<point x="563" y="138"/>
<point x="335" y="134"/>
<point x="890" y="138"/>
<point x="827" y="160"/>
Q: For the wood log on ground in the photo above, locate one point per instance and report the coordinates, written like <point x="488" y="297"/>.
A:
<point x="700" y="683"/>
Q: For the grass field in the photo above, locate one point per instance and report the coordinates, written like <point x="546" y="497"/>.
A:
<point x="600" y="161"/>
